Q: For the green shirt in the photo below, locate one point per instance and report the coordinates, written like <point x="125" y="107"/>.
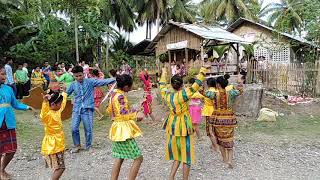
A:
<point x="21" y="76"/>
<point x="65" y="78"/>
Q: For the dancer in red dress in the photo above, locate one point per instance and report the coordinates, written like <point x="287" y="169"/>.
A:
<point x="147" y="102"/>
<point x="98" y="93"/>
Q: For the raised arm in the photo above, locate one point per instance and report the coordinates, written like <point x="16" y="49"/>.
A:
<point x="64" y="102"/>
<point x="163" y="83"/>
<point x="187" y="93"/>
<point x="44" y="109"/>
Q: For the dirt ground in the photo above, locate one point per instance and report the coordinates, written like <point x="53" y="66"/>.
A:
<point x="286" y="149"/>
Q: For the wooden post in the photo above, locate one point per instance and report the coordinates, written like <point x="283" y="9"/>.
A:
<point x="169" y="56"/>
<point x="137" y="65"/>
<point x="201" y="53"/>
<point x="187" y="60"/>
<point x="238" y="56"/>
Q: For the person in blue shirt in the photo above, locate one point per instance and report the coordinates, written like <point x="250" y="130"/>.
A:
<point x="9" y="73"/>
<point x="46" y="70"/>
<point x="83" y="105"/>
<point x="8" y="141"/>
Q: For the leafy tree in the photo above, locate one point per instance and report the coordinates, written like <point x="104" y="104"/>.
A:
<point x="150" y="11"/>
<point x="310" y="15"/>
<point x="181" y="11"/>
<point x="214" y="11"/>
<point x="74" y="8"/>
<point x="118" y="52"/>
<point x="284" y="15"/>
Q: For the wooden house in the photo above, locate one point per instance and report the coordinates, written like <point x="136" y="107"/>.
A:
<point x="183" y="42"/>
<point x="270" y="44"/>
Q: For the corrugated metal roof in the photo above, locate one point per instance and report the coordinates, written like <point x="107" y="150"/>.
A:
<point x="238" y="22"/>
<point x="142" y="48"/>
<point x="206" y="32"/>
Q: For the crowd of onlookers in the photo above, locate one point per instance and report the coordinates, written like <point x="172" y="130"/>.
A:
<point x="47" y="76"/>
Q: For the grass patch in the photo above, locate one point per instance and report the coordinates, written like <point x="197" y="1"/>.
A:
<point x="290" y="129"/>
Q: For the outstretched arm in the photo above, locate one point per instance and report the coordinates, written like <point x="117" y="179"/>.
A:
<point x="70" y="89"/>
<point x="102" y="82"/>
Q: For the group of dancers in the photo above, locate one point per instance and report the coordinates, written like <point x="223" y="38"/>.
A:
<point x="183" y="119"/>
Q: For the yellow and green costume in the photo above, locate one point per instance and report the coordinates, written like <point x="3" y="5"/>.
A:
<point x="37" y="79"/>
<point x="179" y="143"/>
<point x="208" y="103"/>
<point x="123" y="129"/>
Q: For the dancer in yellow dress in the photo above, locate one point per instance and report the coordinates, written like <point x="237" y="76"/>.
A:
<point x="37" y="78"/>
<point x="208" y="110"/>
<point x="124" y="130"/>
<point x="53" y="143"/>
<point x="179" y="130"/>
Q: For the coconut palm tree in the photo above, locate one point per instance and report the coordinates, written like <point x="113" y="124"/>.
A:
<point x="181" y="11"/>
<point x="74" y="8"/>
<point x="227" y="10"/>
<point x="120" y="13"/>
<point x="149" y="11"/>
<point x="117" y="12"/>
<point x="284" y="15"/>
<point x="161" y="11"/>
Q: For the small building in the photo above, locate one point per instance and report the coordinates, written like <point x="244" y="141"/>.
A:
<point x="183" y="42"/>
<point x="270" y="44"/>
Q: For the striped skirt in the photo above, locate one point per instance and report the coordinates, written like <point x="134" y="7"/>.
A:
<point x="8" y="140"/>
<point x="180" y="148"/>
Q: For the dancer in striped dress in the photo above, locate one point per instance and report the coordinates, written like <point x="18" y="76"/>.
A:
<point x="179" y="130"/>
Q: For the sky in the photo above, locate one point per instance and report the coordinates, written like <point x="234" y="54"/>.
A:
<point x="140" y="33"/>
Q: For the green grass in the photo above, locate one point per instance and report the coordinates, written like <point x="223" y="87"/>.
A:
<point x="301" y="129"/>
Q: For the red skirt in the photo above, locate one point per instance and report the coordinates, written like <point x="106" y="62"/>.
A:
<point x="8" y="139"/>
<point x="98" y="96"/>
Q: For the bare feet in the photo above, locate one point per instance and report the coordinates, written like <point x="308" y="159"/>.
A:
<point x="5" y="176"/>
<point x="230" y="165"/>
<point x="214" y="150"/>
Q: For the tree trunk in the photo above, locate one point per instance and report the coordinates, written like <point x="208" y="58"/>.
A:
<point x="150" y="26"/>
<point x="26" y="6"/>
<point x="107" y="52"/>
<point x="76" y="36"/>
<point x="99" y="55"/>
<point x="158" y="17"/>
<point x="58" y="56"/>
<point x="147" y="30"/>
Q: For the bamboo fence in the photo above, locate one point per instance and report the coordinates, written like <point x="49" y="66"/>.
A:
<point x="291" y="79"/>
